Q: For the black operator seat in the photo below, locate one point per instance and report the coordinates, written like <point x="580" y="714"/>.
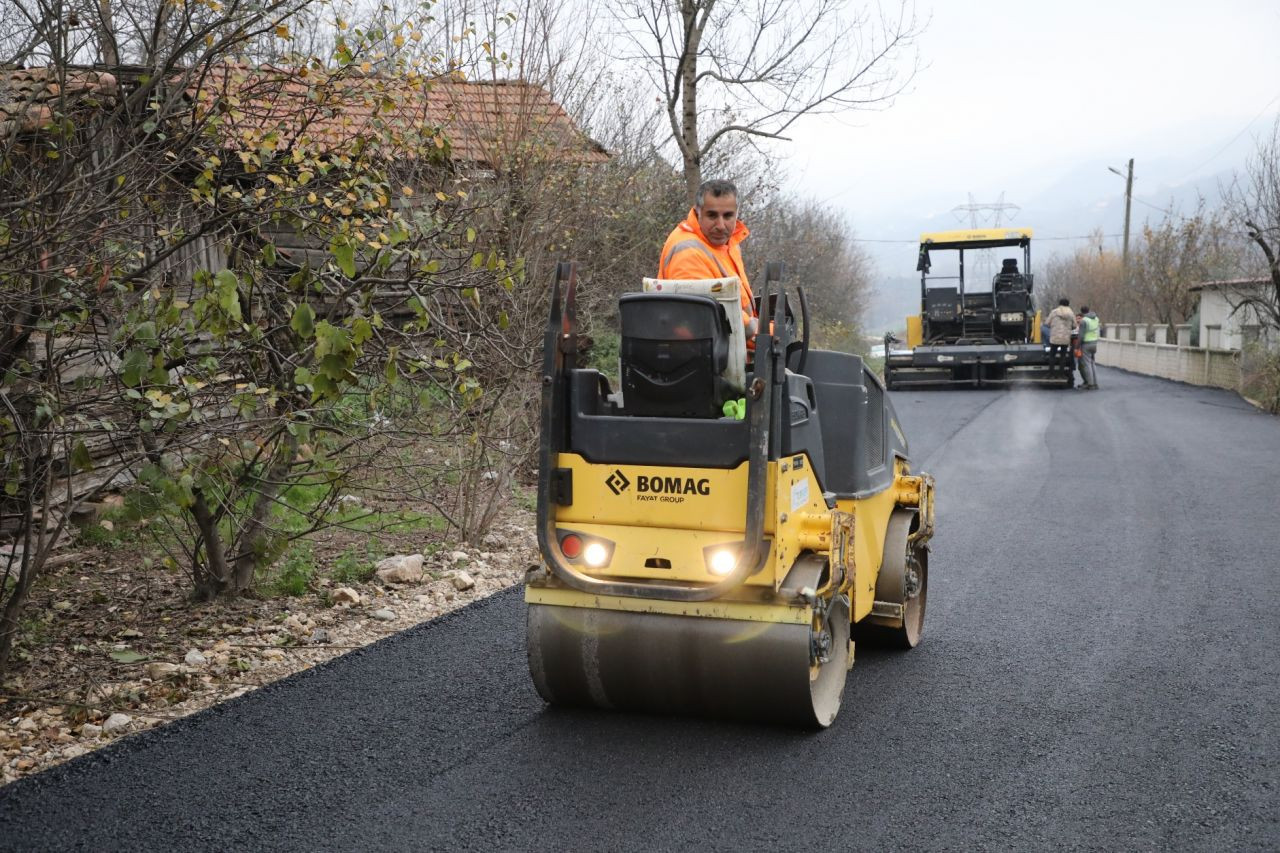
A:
<point x="1008" y="278"/>
<point x="675" y="348"/>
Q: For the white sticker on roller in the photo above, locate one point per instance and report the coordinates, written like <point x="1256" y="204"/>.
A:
<point x="799" y="494"/>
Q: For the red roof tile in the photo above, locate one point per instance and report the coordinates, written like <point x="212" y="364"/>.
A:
<point x="484" y="122"/>
<point x="26" y="95"/>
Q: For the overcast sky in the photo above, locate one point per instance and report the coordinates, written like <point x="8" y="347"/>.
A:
<point x="1013" y="96"/>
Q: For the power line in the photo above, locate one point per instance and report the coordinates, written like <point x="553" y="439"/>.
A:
<point x="1232" y="141"/>
<point x="1153" y="207"/>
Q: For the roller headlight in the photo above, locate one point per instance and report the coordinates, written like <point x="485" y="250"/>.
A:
<point x="596" y="555"/>
<point x="1014" y="317"/>
<point x="722" y="562"/>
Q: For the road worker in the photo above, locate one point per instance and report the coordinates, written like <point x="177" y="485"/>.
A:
<point x="1062" y="322"/>
<point x="706" y="245"/>
<point x="1090" y="331"/>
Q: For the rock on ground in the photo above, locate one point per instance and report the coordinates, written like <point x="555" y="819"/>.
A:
<point x="117" y="723"/>
<point x="344" y="595"/>
<point x="159" y="670"/>
<point x="403" y="568"/>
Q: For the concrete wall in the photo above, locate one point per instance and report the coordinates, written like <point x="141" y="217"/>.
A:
<point x="1219" y="368"/>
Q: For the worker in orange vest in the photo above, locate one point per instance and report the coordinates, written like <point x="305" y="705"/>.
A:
<point x="706" y="245"/>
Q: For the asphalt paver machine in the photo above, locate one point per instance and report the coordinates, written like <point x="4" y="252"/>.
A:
<point x="974" y="336"/>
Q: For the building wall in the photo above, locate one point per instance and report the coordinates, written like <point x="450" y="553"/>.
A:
<point x="1221" y="327"/>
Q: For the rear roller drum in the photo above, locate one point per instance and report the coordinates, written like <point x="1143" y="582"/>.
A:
<point x="897" y="618"/>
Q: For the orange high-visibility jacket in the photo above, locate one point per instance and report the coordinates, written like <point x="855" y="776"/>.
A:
<point x="688" y="255"/>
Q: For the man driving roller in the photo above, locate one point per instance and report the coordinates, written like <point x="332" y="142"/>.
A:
<point x="706" y="245"/>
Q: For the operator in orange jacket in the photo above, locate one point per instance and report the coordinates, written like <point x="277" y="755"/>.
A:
<point x="705" y="245"/>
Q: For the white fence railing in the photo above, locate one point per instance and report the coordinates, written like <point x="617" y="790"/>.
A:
<point x="1142" y="348"/>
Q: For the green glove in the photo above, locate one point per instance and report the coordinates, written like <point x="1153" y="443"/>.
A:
<point x="736" y="409"/>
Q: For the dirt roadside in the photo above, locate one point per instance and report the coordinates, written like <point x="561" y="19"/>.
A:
<point x="115" y="647"/>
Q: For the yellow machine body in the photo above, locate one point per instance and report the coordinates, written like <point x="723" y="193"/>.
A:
<point x="661" y="523"/>
<point x="728" y="574"/>
<point x="914" y="331"/>
<point x="666" y="536"/>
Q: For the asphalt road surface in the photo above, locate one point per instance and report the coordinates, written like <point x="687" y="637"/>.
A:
<point x="1101" y="670"/>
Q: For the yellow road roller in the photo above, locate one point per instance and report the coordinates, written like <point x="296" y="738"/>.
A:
<point x="717" y="532"/>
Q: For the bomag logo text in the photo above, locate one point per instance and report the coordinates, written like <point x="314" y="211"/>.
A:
<point x="670" y="489"/>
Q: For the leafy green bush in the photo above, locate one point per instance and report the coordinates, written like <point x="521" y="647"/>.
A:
<point x="292" y="575"/>
<point x="356" y="563"/>
<point x="603" y="355"/>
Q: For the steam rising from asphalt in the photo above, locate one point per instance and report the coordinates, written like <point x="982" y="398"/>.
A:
<point x="1027" y="415"/>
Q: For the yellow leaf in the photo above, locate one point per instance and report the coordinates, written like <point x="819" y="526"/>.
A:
<point x="282" y="31"/>
<point x="398" y="41"/>
<point x="275" y="179"/>
<point x="406" y="190"/>
<point x="441" y="196"/>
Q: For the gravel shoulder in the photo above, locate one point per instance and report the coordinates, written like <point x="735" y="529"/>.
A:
<point x="104" y="665"/>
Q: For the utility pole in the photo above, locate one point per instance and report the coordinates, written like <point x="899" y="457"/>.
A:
<point x="1128" y="203"/>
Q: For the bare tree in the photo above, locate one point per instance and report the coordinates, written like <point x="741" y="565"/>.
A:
<point x="755" y="68"/>
<point x="1253" y="206"/>
<point x="817" y="245"/>
<point x="1175" y="254"/>
<point x="1092" y="275"/>
<point x="1253" y="201"/>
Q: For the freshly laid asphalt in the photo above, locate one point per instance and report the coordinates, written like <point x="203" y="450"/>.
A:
<point x="1101" y="670"/>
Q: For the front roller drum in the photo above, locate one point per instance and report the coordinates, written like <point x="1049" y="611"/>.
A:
<point x="659" y="663"/>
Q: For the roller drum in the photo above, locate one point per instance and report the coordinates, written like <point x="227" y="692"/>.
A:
<point x="662" y="663"/>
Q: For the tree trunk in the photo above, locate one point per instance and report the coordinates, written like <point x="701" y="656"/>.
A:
<point x="216" y="573"/>
<point x="255" y="535"/>
<point x="107" y="35"/>
<point x="689" y="146"/>
<point x="36" y="542"/>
